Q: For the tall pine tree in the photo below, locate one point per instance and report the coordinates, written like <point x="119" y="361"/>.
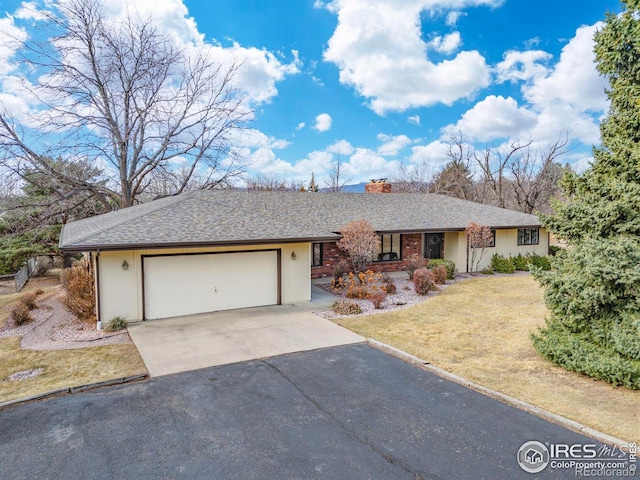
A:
<point x="593" y="294"/>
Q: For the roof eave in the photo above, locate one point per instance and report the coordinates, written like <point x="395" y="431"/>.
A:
<point x="156" y="246"/>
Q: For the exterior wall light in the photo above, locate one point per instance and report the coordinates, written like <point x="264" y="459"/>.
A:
<point x="293" y="255"/>
<point x="125" y="265"/>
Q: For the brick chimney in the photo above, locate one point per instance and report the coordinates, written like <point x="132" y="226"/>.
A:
<point x="378" y="186"/>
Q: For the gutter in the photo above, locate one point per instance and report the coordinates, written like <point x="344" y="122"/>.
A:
<point x="154" y="246"/>
<point x="98" y="317"/>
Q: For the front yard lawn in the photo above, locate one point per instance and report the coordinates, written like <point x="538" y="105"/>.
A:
<point x="480" y="329"/>
<point x="24" y="373"/>
<point x="63" y="368"/>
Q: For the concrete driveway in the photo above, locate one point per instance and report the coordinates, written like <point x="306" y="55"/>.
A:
<point x="187" y="343"/>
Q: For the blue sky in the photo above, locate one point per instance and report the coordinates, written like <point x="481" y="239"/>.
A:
<point x="387" y="82"/>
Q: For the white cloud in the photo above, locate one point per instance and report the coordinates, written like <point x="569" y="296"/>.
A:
<point x="523" y="66"/>
<point x="341" y="147"/>
<point x="495" y="117"/>
<point x="365" y="164"/>
<point x="10" y="37"/>
<point x="29" y="11"/>
<point x="300" y="126"/>
<point x="323" y="122"/>
<point x="574" y="79"/>
<point x="379" y="50"/>
<point x="565" y="95"/>
<point x="260" y="70"/>
<point x="392" y="144"/>
<point x="447" y="44"/>
<point x="532" y="42"/>
<point x="414" y="119"/>
<point x="434" y="155"/>
<point x="453" y="17"/>
<point x="257" y="76"/>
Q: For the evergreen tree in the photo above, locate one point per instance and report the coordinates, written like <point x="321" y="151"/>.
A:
<point x="593" y="293"/>
<point x="313" y="186"/>
<point x="31" y="223"/>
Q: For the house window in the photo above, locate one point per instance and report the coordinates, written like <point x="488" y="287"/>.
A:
<point x="528" y="236"/>
<point x="316" y="254"/>
<point x="389" y="247"/>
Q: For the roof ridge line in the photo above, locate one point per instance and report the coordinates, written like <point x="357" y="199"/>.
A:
<point x="176" y="199"/>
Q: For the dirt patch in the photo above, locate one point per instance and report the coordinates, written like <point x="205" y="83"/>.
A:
<point x="54" y="328"/>
<point x="7" y="285"/>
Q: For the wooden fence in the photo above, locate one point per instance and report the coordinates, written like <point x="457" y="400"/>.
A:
<point x="24" y="273"/>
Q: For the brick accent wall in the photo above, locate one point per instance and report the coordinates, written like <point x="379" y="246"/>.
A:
<point x="331" y="254"/>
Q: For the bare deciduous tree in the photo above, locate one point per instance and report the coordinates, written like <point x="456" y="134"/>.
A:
<point x="479" y="238"/>
<point x="536" y="175"/>
<point x="123" y="96"/>
<point x="336" y="181"/>
<point x="263" y="182"/>
<point x="493" y="164"/>
<point x="415" y="178"/>
<point x="360" y="241"/>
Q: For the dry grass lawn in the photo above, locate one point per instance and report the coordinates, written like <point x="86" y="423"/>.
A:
<point x="480" y="329"/>
<point x="60" y="368"/>
<point x="63" y="368"/>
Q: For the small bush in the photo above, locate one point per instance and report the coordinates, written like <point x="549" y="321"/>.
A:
<point x="358" y="291"/>
<point x="448" y="264"/>
<point x="388" y="285"/>
<point x="343" y="307"/>
<point x="80" y="298"/>
<point x="500" y="264"/>
<point x="362" y="285"/>
<point x="488" y="271"/>
<point x="439" y="274"/>
<point x="414" y="263"/>
<point x="539" y="261"/>
<point x="340" y="269"/>
<point x="377" y="298"/>
<point x="29" y="301"/>
<point x="115" y="324"/>
<point x="521" y="262"/>
<point x="424" y="281"/>
<point x="21" y="315"/>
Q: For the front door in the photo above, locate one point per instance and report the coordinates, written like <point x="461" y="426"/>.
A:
<point x="434" y="245"/>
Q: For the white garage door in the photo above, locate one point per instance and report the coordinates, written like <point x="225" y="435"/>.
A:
<point x="177" y="285"/>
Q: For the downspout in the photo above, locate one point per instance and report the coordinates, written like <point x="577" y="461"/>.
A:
<point x="99" y="325"/>
<point x="467" y="253"/>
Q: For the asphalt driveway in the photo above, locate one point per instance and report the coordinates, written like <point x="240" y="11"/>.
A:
<point x="349" y="412"/>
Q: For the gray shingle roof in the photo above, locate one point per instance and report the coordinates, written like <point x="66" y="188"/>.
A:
<point x="237" y="217"/>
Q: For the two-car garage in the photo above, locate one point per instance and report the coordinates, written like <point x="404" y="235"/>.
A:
<point x="176" y="285"/>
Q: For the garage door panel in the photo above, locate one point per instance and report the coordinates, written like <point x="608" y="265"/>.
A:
<point x="187" y="284"/>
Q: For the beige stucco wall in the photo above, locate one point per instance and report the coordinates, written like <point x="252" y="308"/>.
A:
<point x="455" y="247"/>
<point x="121" y="290"/>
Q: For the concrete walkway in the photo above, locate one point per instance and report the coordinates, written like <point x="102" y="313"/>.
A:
<point x="197" y="341"/>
